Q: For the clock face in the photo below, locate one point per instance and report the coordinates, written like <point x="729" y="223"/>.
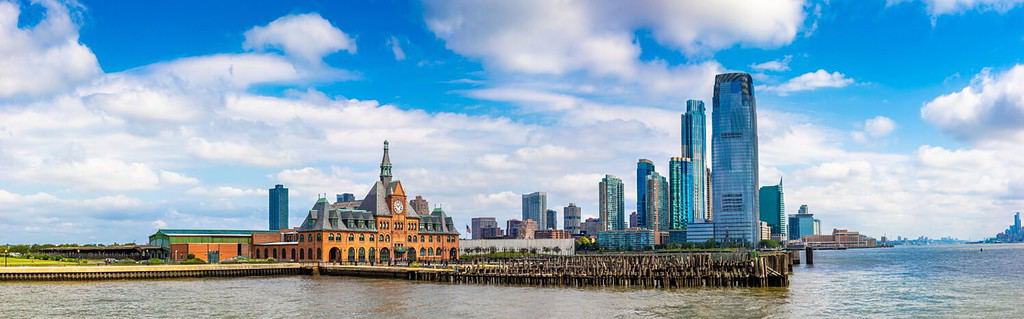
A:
<point x="398" y="206"/>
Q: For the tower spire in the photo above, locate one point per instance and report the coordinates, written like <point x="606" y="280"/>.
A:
<point x="385" y="166"/>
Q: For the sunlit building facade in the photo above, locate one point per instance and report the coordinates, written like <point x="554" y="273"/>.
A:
<point x="735" y="160"/>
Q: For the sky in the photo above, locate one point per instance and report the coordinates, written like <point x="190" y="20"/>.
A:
<point x="120" y="117"/>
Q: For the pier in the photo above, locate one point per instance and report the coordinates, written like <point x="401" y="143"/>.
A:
<point x="640" y="270"/>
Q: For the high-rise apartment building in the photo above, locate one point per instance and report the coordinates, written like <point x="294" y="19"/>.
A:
<point x="734" y="156"/>
<point x="571" y="218"/>
<point x="611" y="201"/>
<point x="680" y="195"/>
<point x="632" y="220"/>
<point x="535" y="207"/>
<point x="773" y="210"/>
<point x="420" y="205"/>
<point x="657" y="202"/>
<point x="551" y="219"/>
<point x="644" y="167"/>
<point x="694" y="145"/>
<point x="479" y="225"/>
<point x="709" y="207"/>
<point x="592" y="226"/>
<point x="278" y="207"/>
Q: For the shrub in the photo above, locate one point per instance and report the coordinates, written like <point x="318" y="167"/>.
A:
<point x="155" y="261"/>
<point x="193" y="261"/>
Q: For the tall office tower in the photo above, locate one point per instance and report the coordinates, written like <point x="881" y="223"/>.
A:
<point x="612" y="212"/>
<point x="1016" y="223"/>
<point x="680" y="195"/>
<point x="709" y="207"/>
<point x="802" y="224"/>
<point x="734" y="156"/>
<point x="345" y="197"/>
<point x="644" y="167"/>
<point x="478" y="225"/>
<point x="278" y="207"/>
<point x="420" y="205"/>
<point x="773" y="208"/>
<point x="694" y="145"/>
<point x="551" y="219"/>
<point x="657" y="202"/>
<point x="632" y="220"/>
<point x="817" y="226"/>
<point x="535" y="207"/>
<point x="571" y="218"/>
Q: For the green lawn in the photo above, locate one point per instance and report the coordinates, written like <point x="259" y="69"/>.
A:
<point x="11" y="261"/>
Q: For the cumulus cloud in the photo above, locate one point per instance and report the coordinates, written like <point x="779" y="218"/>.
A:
<point x="990" y="108"/>
<point x="44" y="58"/>
<point x="810" y="81"/>
<point x="876" y="127"/>
<point x="773" y="65"/>
<point x="307" y="37"/>
<point x="396" y="48"/>
<point x="944" y="7"/>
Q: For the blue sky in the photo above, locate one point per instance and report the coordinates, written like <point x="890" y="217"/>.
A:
<point x="887" y="117"/>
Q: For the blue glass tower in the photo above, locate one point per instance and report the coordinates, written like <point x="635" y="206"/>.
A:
<point x="278" y="207"/>
<point x="612" y="210"/>
<point x="734" y="159"/>
<point x="644" y="167"/>
<point x="535" y="206"/>
<point x="694" y="145"/>
<point x="681" y="199"/>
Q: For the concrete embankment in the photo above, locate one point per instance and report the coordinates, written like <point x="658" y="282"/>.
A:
<point x="147" y="272"/>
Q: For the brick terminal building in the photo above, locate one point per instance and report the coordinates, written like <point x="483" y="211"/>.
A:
<point x="380" y="228"/>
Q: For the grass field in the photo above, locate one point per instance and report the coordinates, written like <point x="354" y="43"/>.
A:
<point x="11" y="261"/>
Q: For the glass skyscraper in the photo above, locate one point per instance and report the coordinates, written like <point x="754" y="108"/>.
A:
<point x="612" y="211"/>
<point x="644" y="167"/>
<point x="734" y="159"/>
<point x="694" y="144"/>
<point x="680" y="194"/>
<point x="278" y="207"/>
<point x="773" y="208"/>
<point x="658" y="216"/>
<point x="535" y="206"/>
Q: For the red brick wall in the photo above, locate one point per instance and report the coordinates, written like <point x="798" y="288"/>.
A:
<point x="227" y="251"/>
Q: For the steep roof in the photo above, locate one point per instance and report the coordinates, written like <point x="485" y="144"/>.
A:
<point x="323" y="216"/>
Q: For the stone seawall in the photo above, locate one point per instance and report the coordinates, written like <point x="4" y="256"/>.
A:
<point x="147" y="272"/>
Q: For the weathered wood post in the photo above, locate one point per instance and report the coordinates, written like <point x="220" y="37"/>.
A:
<point x="810" y="255"/>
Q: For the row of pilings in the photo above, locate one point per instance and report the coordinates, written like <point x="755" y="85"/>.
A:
<point x="646" y="271"/>
<point x="104" y="273"/>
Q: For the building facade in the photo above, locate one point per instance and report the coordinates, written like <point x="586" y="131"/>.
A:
<point x="657" y="202"/>
<point x="535" y="207"/>
<point x="735" y="158"/>
<point x="571" y="218"/>
<point x="681" y="199"/>
<point x="694" y="146"/>
<point x="627" y="239"/>
<point x="552" y="234"/>
<point x="478" y="224"/>
<point x="644" y="168"/>
<point x="278" y="208"/>
<point x="612" y="203"/>
<point x="773" y="210"/>
<point x="700" y="233"/>
<point x="840" y="238"/>
<point x="592" y="226"/>
<point x="551" y="219"/>
<point x="345" y="197"/>
<point x="378" y="228"/>
<point x="420" y="205"/>
<point x="801" y="224"/>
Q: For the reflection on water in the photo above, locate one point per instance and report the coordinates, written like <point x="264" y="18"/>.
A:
<point x="947" y="281"/>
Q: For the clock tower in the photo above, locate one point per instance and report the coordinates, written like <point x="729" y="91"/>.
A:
<point x="385" y="166"/>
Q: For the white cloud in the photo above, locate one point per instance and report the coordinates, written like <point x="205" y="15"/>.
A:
<point x="226" y="191"/>
<point x="93" y="173"/>
<point x="396" y="48"/>
<point x="944" y="7"/>
<point x="773" y="65"/>
<point x="44" y="58"/>
<point x="235" y="152"/>
<point x="990" y="108"/>
<point x="307" y="37"/>
<point x="810" y="81"/>
<point x="879" y="126"/>
<point x="177" y="178"/>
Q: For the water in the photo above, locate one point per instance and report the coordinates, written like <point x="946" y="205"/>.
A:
<point x="911" y="282"/>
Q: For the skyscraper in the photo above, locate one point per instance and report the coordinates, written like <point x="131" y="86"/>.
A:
<point x="734" y="156"/>
<point x="345" y="197"/>
<point x="632" y="220"/>
<point x="535" y="206"/>
<point x="657" y="202"/>
<point x="773" y="209"/>
<point x="694" y="144"/>
<point x="611" y="210"/>
<point x="709" y="207"/>
<point x="551" y="219"/>
<point x="278" y="207"/>
<point x="420" y="205"/>
<point x="680" y="195"/>
<point x="478" y="225"/>
<point x="801" y="224"/>
<point x="644" y="167"/>
<point x="571" y="218"/>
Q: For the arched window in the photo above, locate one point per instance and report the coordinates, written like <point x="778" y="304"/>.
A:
<point x="362" y="237"/>
<point x="430" y="251"/>
<point x="319" y="254"/>
<point x="310" y="251"/>
<point x="301" y="237"/>
<point x="422" y="239"/>
<point x="257" y="254"/>
<point x="373" y="255"/>
<point x="275" y="253"/>
<point x="438" y="251"/>
<point x="351" y="254"/>
<point x="320" y="237"/>
<point x="423" y="252"/>
<point x="302" y="254"/>
<point x="293" y="253"/>
<point x="330" y="237"/>
<point x="381" y="238"/>
<point x="385" y="255"/>
<point x="284" y="253"/>
<point x="265" y="254"/>
<point x="362" y="254"/>
<point x="351" y="237"/>
<point x="387" y="238"/>
<point x="408" y="238"/>
<point x="372" y="237"/>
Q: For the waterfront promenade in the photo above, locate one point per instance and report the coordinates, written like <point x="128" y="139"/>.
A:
<point x="653" y="271"/>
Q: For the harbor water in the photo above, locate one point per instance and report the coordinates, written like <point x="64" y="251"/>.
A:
<point x="973" y="281"/>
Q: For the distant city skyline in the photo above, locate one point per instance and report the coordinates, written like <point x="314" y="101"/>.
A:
<point x="189" y="124"/>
